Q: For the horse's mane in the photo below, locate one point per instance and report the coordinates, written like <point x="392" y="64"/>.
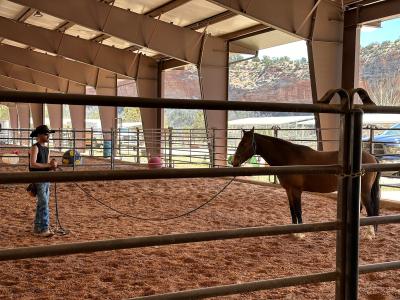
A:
<point x="284" y="143"/>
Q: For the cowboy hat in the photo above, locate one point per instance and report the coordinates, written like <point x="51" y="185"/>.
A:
<point x="42" y="129"/>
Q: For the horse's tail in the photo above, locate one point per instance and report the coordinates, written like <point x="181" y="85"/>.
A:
<point x="376" y="197"/>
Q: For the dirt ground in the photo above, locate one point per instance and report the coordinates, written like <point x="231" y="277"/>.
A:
<point x="130" y="273"/>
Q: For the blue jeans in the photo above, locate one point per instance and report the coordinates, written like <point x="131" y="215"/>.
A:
<point x="42" y="217"/>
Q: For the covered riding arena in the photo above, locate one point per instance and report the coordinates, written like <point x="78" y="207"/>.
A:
<point x="197" y="227"/>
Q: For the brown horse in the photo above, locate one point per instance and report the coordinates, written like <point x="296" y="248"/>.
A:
<point x="278" y="152"/>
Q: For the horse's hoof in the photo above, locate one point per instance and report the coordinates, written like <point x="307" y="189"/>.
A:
<point x="299" y="236"/>
<point x="369" y="233"/>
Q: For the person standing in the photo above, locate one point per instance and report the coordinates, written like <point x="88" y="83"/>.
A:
<point x="39" y="160"/>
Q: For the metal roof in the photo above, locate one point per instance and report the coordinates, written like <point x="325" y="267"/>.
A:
<point x="244" y="33"/>
<point x="218" y="22"/>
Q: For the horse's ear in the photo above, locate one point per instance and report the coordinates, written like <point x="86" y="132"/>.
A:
<point x="244" y="131"/>
<point x="252" y="130"/>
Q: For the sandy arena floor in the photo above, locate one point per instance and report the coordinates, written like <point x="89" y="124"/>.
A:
<point x="130" y="273"/>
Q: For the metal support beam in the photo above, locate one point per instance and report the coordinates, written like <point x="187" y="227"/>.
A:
<point x="166" y="8"/>
<point x="148" y="85"/>
<point x="56" y="120"/>
<point x="37" y="111"/>
<point x="107" y="86"/>
<point x="78" y="116"/>
<point x="377" y="11"/>
<point x="287" y="15"/>
<point x="211" y="20"/>
<point x="213" y="77"/>
<point x="138" y="29"/>
<point x="48" y="64"/>
<point x="325" y="57"/>
<point x="351" y="57"/>
<point x="12" y="110"/>
<point x="33" y="77"/>
<point x="19" y="85"/>
<point x="24" y="122"/>
<point x="109" y="58"/>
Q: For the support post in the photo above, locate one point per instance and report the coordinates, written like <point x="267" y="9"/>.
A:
<point x="112" y="160"/>
<point x="137" y="145"/>
<point x="275" y="128"/>
<point x="149" y="85"/>
<point x="37" y="112"/>
<point x="78" y="115"/>
<point x="91" y="141"/>
<point x="371" y="139"/>
<point x="348" y="210"/>
<point x="212" y="160"/>
<point x="13" y="121"/>
<point x="56" y="121"/>
<point x="24" y="122"/>
<point x="74" y="148"/>
<point x="107" y="85"/>
<point x="213" y="72"/>
<point x="170" y="147"/>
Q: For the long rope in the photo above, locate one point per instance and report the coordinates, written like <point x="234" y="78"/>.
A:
<point x="156" y="219"/>
<point x="59" y="229"/>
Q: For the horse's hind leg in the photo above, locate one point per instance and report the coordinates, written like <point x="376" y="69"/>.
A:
<point x="291" y="206"/>
<point x="297" y="208"/>
<point x="367" y="201"/>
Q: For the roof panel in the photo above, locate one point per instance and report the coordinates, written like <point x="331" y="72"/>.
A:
<point x="9" y="9"/>
<point x="191" y="12"/>
<point x="230" y="25"/>
<point x="82" y="32"/>
<point x="117" y="43"/>
<point x="140" y="6"/>
<point x="46" y="21"/>
<point x="12" y="43"/>
<point x="267" y="40"/>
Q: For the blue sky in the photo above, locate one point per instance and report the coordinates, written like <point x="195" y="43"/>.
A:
<point x="389" y="31"/>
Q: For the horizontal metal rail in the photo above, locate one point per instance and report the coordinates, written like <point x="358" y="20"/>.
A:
<point x="160" y="240"/>
<point x="380" y="167"/>
<point x="380" y="267"/>
<point x="247" y="287"/>
<point x="180" y="238"/>
<point x="375" y="109"/>
<point x="123" y="101"/>
<point x="389" y="219"/>
<point x="71" y="176"/>
<point x="232" y="289"/>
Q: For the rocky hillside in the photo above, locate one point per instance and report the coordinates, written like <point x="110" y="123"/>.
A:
<point x="286" y="80"/>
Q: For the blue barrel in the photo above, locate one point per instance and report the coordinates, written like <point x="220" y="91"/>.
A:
<point x="107" y="149"/>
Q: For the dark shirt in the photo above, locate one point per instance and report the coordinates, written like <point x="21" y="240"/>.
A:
<point x="42" y="157"/>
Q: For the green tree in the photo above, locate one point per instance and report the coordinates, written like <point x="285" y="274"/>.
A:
<point x="198" y="122"/>
<point x="4" y="115"/>
<point x="131" y="114"/>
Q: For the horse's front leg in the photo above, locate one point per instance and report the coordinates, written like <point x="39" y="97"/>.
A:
<point x="294" y="197"/>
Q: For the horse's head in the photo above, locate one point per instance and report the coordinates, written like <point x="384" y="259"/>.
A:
<point x="246" y="148"/>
